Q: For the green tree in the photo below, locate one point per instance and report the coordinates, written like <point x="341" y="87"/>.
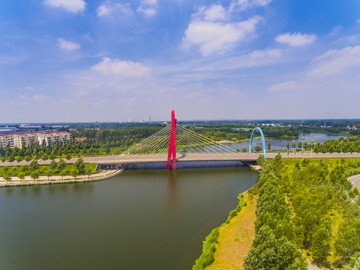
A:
<point x="79" y="165"/>
<point x="33" y="165"/>
<point x="61" y="165"/>
<point x="74" y="173"/>
<point x="21" y="175"/>
<point x="268" y="252"/>
<point x="293" y="144"/>
<point x="288" y="146"/>
<point x="34" y="175"/>
<point x="244" y="150"/>
<point x="6" y="177"/>
<point x="299" y="145"/>
<point x="68" y="156"/>
<point x="269" y="146"/>
<point x="53" y="165"/>
<point x="321" y="244"/>
<point x="11" y="158"/>
<point x="258" y="148"/>
<point x="45" y="157"/>
<point x="27" y="158"/>
<point x="49" y="173"/>
<point x="88" y="172"/>
<point x="62" y="174"/>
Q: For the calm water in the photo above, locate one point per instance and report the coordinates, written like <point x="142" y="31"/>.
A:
<point x="281" y="144"/>
<point x="137" y="220"/>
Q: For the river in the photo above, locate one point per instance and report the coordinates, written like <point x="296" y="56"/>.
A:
<point x="281" y="144"/>
<point x="137" y="220"/>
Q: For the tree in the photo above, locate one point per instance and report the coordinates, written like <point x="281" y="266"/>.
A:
<point x="269" y="252"/>
<point x="34" y="175"/>
<point x="269" y="146"/>
<point x="261" y="160"/>
<point x="45" y="157"/>
<point x="88" y="172"/>
<point x="68" y="156"/>
<point x="11" y="158"/>
<point x="293" y="144"/>
<point x="53" y="165"/>
<point x="19" y="159"/>
<point x="288" y="146"/>
<point x="258" y="148"/>
<point x="33" y="165"/>
<point x="27" y="158"/>
<point x="52" y="156"/>
<point x="300" y="145"/>
<point x="79" y="165"/>
<point x="62" y="174"/>
<point x="321" y="244"/>
<point x="244" y="150"/>
<point x="21" y="175"/>
<point x="74" y="173"/>
<point x="61" y="165"/>
<point x="6" y="177"/>
<point x="49" y="173"/>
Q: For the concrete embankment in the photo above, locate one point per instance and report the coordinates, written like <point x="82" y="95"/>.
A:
<point x="44" y="180"/>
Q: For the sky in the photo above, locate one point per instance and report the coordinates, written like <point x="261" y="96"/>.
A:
<point x="115" y="60"/>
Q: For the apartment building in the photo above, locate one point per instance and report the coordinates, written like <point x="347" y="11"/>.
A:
<point x="24" y="140"/>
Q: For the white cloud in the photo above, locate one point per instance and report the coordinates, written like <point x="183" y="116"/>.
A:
<point x="218" y="36"/>
<point x="70" y="5"/>
<point x="40" y="97"/>
<point x="123" y="68"/>
<point x="148" y="7"/>
<point x="67" y="45"/>
<point x="296" y="39"/>
<point x="211" y="14"/>
<point x="358" y="20"/>
<point x="254" y="59"/>
<point x="107" y="8"/>
<point x="284" y="86"/>
<point x="336" y="61"/>
<point x="245" y="4"/>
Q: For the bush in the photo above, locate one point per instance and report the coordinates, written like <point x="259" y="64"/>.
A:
<point x="209" y="248"/>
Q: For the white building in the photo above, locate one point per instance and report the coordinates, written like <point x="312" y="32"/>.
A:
<point x="22" y="140"/>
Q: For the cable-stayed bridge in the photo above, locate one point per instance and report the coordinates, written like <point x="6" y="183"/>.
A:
<point x="174" y="143"/>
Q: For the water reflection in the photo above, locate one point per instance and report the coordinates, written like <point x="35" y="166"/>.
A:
<point x="172" y="190"/>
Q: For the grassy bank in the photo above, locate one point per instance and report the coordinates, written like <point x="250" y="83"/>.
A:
<point x="214" y="242"/>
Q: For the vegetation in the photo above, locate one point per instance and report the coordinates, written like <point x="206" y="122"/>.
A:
<point x="308" y="205"/>
<point x="209" y="245"/>
<point x="60" y="168"/>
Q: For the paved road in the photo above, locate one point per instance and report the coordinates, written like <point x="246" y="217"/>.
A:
<point x="355" y="180"/>
<point x="115" y="159"/>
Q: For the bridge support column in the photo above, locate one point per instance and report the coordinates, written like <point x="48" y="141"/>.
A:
<point x="172" y="144"/>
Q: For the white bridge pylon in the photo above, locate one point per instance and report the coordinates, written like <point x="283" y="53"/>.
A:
<point x="187" y="141"/>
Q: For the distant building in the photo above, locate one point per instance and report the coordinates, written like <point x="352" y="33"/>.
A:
<point x="24" y="140"/>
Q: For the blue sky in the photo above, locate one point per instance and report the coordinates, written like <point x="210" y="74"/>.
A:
<point x="85" y="60"/>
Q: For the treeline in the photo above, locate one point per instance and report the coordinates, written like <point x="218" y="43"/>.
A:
<point x="34" y="170"/>
<point x="310" y="207"/>
<point x="95" y="142"/>
<point x="274" y="245"/>
<point x="349" y="145"/>
<point x="239" y="134"/>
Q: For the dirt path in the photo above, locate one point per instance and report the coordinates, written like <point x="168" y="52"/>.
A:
<point x="235" y="238"/>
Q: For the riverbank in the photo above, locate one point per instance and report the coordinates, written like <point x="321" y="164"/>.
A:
<point x="227" y="245"/>
<point x="235" y="238"/>
<point x="44" y="180"/>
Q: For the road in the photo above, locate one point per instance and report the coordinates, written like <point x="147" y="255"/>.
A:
<point x="124" y="159"/>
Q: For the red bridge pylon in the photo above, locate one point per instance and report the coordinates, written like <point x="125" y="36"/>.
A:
<point x="172" y="144"/>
